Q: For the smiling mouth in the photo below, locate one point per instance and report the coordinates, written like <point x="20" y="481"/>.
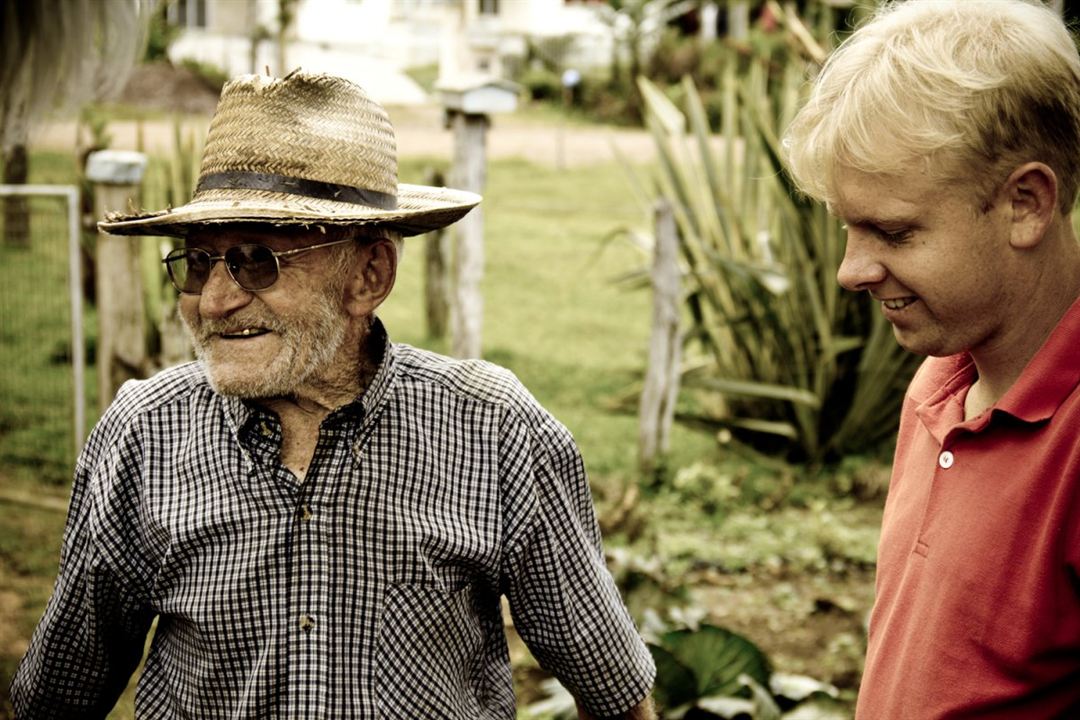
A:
<point x="898" y="303"/>
<point x="244" y="333"/>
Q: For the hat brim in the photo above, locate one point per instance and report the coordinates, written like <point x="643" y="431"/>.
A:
<point x="420" y="209"/>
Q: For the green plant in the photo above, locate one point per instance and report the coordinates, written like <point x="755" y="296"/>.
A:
<point x="541" y="83"/>
<point x="169" y="182"/>
<point x="806" y="369"/>
<point x="160" y="35"/>
<point x="704" y="672"/>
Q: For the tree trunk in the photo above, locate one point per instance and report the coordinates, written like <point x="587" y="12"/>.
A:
<point x="16" y="208"/>
<point x="285" y="18"/>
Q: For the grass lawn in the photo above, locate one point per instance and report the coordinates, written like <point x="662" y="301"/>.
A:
<point x="752" y="544"/>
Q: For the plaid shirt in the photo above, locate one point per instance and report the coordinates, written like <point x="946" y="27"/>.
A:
<point x="372" y="589"/>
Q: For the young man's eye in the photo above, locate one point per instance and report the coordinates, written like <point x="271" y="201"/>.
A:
<point x="894" y="237"/>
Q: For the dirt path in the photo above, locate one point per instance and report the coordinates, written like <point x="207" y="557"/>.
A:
<point x="420" y="133"/>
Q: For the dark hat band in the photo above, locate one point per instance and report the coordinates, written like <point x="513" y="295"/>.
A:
<point x="236" y="180"/>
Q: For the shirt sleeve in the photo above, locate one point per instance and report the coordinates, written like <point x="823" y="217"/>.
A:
<point x="90" y="639"/>
<point x="564" y="601"/>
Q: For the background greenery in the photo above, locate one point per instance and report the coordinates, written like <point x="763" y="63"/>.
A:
<point x="726" y="545"/>
<point x="779" y="553"/>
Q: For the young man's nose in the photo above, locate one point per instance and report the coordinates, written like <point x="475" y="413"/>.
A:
<point x="860" y="269"/>
<point x="221" y="295"/>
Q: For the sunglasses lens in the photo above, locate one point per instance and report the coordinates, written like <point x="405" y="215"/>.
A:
<point x="253" y="267"/>
<point x="189" y="269"/>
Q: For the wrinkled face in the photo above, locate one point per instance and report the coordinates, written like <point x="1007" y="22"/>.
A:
<point x="268" y="343"/>
<point x="937" y="263"/>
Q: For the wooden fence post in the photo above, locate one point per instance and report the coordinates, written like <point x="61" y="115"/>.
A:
<point x="121" y="345"/>
<point x="657" y="409"/>
<point x="436" y="273"/>
<point x="469" y="173"/>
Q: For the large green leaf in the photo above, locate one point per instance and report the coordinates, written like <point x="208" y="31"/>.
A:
<point x="750" y="388"/>
<point x="676" y="683"/>
<point x="718" y="658"/>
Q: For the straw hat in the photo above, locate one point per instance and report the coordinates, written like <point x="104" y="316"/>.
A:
<point x="300" y="150"/>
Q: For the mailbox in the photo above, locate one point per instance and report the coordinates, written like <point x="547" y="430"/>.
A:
<point x="478" y="95"/>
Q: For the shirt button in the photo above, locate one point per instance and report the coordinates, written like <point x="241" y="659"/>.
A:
<point x="305" y="513"/>
<point x="946" y="460"/>
<point x="265" y="430"/>
<point x="307" y="623"/>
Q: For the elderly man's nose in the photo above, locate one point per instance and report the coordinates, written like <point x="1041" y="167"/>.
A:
<point x="221" y="295"/>
<point x="860" y="269"/>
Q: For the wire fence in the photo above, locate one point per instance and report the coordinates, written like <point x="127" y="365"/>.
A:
<point x="42" y="356"/>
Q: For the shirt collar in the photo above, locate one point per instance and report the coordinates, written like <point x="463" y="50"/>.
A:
<point x="379" y="340"/>
<point x="944" y="409"/>
<point x="1050" y="376"/>
<point x="1047" y="380"/>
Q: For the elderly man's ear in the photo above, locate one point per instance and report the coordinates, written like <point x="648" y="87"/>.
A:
<point x="372" y="277"/>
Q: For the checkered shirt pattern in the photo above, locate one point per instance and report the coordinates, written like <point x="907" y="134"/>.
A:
<point x="372" y="589"/>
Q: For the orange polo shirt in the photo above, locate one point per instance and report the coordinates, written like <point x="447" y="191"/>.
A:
<point x="977" y="612"/>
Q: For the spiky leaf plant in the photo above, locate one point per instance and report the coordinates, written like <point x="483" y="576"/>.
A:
<point x="804" y="368"/>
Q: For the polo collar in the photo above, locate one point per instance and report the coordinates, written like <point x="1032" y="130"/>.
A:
<point x="1051" y="375"/>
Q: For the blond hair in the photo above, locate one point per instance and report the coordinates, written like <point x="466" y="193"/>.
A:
<point x="965" y="89"/>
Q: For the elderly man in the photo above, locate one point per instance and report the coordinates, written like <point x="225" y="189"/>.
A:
<point x="946" y="135"/>
<point x="322" y="521"/>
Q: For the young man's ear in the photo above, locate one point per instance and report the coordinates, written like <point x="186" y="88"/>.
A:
<point x="373" y="276"/>
<point x="1032" y="191"/>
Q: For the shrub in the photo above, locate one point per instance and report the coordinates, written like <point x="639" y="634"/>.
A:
<point x="541" y="83"/>
<point x="160" y="35"/>
<point x="806" y="370"/>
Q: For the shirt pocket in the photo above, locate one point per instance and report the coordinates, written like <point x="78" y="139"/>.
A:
<point x="428" y="653"/>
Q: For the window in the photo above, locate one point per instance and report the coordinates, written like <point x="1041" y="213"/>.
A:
<point x="187" y="13"/>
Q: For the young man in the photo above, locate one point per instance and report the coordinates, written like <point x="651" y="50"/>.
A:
<point x="322" y="521"/>
<point x="946" y="135"/>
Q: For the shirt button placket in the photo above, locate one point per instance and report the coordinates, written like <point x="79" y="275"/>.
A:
<point x="307" y="622"/>
<point x="308" y="686"/>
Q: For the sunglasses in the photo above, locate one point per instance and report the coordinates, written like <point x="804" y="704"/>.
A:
<point x="251" y="266"/>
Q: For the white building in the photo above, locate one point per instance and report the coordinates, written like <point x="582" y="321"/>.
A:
<point x="374" y="41"/>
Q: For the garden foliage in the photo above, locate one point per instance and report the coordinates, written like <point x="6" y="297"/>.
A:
<point x="801" y="367"/>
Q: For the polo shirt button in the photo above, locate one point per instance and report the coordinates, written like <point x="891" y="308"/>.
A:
<point x="946" y="460"/>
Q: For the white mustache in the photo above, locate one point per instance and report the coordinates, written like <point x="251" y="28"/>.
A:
<point x="209" y="328"/>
